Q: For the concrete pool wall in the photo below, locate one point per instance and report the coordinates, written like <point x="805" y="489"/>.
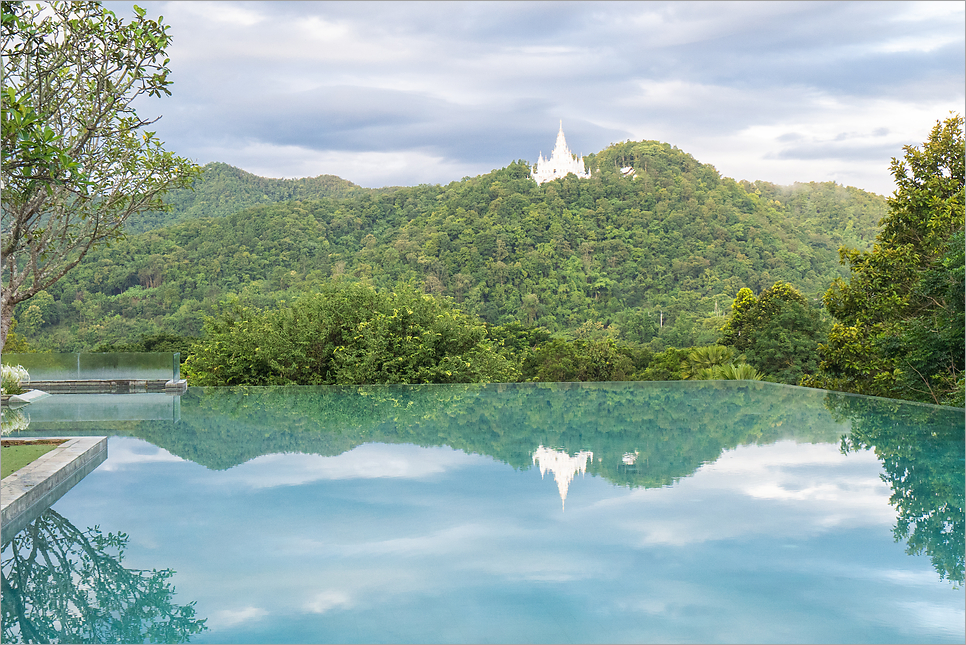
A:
<point x="27" y="493"/>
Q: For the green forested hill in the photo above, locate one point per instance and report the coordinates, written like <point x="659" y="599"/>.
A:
<point x="222" y="190"/>
<point x="654" y="236"/>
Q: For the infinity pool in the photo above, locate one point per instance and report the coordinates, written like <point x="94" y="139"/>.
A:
<point x="619" y="512"/>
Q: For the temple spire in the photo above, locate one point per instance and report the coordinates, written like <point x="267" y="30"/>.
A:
<point x="561" y="163"/>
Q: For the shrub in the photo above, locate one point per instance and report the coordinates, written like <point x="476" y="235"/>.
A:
<point x="13" y="378"/>
<point x="347" y="334"/>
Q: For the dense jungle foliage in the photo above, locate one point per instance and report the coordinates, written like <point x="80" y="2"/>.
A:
<point x="347" y="334"/>
<point x="222" y="190"/>
<point x="656" y="257"/>
<point x="900" y="319"/>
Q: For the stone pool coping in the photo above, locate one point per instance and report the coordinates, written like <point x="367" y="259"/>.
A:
<point x="16" y="400"/>
<point x="113" y="386"/>
<point x="27" y="493"/>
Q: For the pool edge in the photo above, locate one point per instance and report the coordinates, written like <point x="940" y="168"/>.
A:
<point x="27" y="493"/>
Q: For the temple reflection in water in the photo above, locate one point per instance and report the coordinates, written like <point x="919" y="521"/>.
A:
<point x="563" y="466"/>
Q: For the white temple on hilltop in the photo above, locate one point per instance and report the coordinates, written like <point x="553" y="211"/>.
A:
<point x="563" y="466"/>
<point x="561" y="163"/>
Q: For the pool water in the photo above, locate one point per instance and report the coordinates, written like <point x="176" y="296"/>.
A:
<point x="618" y="512"/>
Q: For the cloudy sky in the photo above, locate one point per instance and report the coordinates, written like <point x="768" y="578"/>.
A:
<point x="406" y="93"/>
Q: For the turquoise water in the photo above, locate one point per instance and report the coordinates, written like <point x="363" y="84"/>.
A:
<point x="621" y="512"/>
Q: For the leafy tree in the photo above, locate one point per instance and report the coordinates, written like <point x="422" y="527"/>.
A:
<point x="517" y="341"/>
<point x="934" y="342"/>
<point x="824" y="207"/>
<point x="786" y="348"/>
<point x="77" y="161"/>
<point x="601" y="359"/>
<point x="922" y="450"/>
<point x="736" y="372"/>
<point x="636" y="325"/>
<point x="36" y="314"/>
<point x="669" y="365"/>
<point x="706" y="358"/>
<point x="518" y="338"/>
<point x="717" y="363"/>
<point x="65" y="585"/>
<point x="347" y="334"/>
<point x="738" y="330"/>
<point x="161" y="342"/>
<point x="899" y="319"/>
<point x="778" y="332"/>
<point x="16" y="343"/>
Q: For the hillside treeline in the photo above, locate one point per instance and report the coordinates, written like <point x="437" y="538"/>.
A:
<point x="222" y="190"/>
<point x="652" y="249"/>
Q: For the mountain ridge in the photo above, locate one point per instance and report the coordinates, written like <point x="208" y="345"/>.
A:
<point x="211" y="195"/>
<point x="223" y="189"/>
<point x="655" y="254"/>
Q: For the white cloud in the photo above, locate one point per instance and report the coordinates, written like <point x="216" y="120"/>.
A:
<point x="322" y="31"/>
<point x="129" y="454"/>
<point x="226" y="13"/>
<point x="368" y="169"/>
<point x="791" y="491"/>
<point x="929" y="12"/>
<point x="326" y="601"/>
<point x="223" y="618"/>
<point x="931" y="616"/>
<point x="368" y="461"/>
<point x="449" y="541"/>
<point x="923" y="43"/>
<point x="676" y="24"/>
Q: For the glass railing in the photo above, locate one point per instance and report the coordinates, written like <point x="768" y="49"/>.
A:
<point x="118" y="365"/>
<point x="66" y="411"/>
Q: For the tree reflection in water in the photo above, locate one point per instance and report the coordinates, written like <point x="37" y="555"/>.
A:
<point x="61" y="584"/>
<point x="642" y="434"/>
<point x="922" y="452"/>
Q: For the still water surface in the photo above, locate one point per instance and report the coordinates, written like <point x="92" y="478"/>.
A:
<point x="640" y="512"/>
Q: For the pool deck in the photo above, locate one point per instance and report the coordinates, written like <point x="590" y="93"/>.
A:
<point x="27" y="493"/>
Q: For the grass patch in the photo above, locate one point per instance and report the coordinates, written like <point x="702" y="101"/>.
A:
<point x="16" y="455"/>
